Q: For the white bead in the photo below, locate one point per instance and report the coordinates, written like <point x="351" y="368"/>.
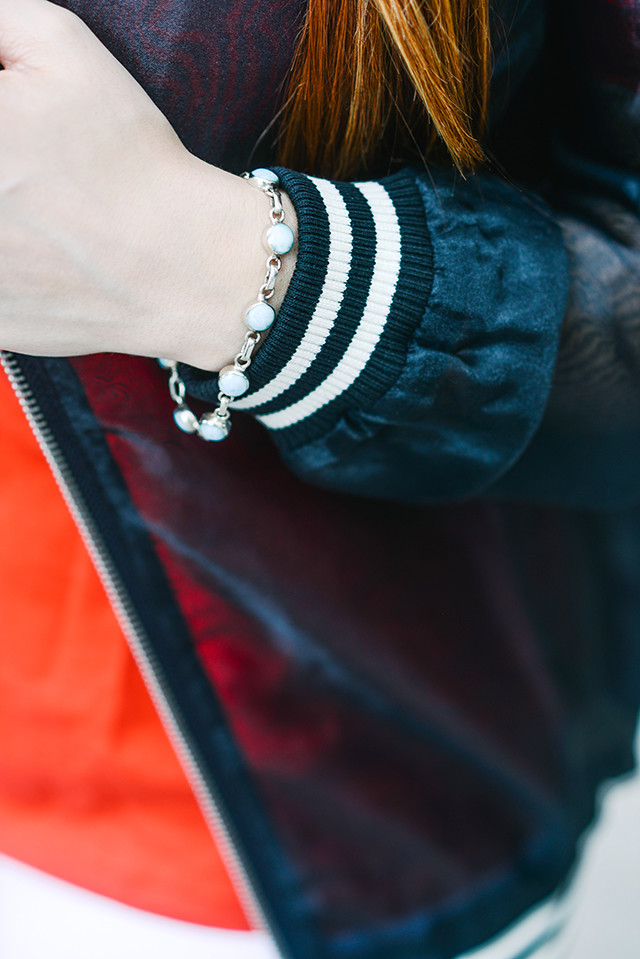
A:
<point x="213" y="428"/>
<point x="185" y="419"/>
<point x="280" y="238"/>
<point x="261" y="173"/>
<point x="166" y="364"/>
<point x="260" y="316"/>
<point x="233" y="382"/>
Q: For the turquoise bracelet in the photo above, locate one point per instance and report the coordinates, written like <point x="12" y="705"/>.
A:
<point x="232" y="379"/>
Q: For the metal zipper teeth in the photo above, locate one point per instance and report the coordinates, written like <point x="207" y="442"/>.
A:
<point x="140" y="647"/>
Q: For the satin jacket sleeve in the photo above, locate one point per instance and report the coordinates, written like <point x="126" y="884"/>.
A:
<point x="444" y="338"/>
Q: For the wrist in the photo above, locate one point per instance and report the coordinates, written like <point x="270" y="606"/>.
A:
<point x="232" y="380"/>
<point x="227" y="267"/>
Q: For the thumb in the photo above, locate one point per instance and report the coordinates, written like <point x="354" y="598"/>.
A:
<point x="29" y="29"/>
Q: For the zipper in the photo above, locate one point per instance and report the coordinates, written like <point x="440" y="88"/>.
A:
<point x="138" y="640"/>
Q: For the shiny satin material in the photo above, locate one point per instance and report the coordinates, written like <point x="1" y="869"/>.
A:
<point x="423" y="697"/>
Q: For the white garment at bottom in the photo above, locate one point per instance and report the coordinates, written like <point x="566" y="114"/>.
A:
<point x="46" y="918"/>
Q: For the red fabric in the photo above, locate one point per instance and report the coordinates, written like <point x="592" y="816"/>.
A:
<point x="90" y="789"/>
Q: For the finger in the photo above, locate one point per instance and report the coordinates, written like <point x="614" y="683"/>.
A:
<point x="29" y="29"/>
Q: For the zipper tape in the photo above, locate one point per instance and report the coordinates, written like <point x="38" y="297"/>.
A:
<point x="139" y="645"/>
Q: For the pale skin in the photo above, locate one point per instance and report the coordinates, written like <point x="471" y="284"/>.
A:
<point x="114" y="237"/>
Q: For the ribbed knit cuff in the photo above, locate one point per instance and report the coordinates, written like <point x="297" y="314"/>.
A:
<point x="361" y="284"/>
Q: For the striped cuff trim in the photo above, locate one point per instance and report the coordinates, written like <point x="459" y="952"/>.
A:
<point x="371" y="291"/>
<point x="367" y="334"/>
<point x="328" y="305"/>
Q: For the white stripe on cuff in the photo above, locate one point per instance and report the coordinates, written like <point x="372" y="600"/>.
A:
<point x="327" y="308"/>
<point x="381" y="292"/>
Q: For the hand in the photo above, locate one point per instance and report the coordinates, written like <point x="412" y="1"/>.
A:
<point x="114" y="236"/>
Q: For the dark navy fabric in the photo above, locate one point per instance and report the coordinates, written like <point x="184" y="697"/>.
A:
<point x="405" y="710"/>
<point x="525" y="317"/>
<point x="456" y="395"/>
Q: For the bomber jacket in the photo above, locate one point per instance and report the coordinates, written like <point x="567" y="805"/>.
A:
<point x="393" y="622"/>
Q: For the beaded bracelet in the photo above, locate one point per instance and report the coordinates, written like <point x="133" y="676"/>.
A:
<point x="232" y="379"/>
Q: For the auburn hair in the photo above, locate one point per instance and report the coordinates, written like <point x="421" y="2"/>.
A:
<point x="375" y="78"/>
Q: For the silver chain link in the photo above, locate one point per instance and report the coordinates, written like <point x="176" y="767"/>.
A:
<point x="274" y="265"/>
<point x="215" y="425"/>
